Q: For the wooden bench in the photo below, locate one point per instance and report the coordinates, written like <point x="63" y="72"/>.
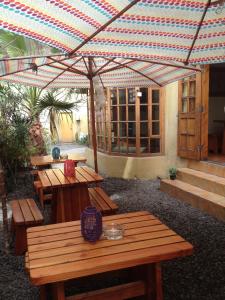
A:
<point x="25" y="213"/>
<point x="102" y="201"/>
<point x="42" y="195"/>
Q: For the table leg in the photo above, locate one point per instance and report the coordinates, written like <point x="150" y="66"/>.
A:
<point x="154" y="282"/>
<point x="58" y="291"/>
<point x="223" y="146"/>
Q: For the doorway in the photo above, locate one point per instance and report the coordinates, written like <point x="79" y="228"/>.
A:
<point x="216" y="113"/>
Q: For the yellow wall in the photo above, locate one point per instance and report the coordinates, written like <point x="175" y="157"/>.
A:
<point x="69" y="129"/>
<point x="147" y="167"/>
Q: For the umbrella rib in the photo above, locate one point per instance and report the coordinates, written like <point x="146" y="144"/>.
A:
<point x="197" y="31"/>
<point x="61" y="73"/>
<point x="104" y="26"/>
<point x="66" y="65"/>
<point x="138" y="72"/>
<point x="103" y="66"/>
<point x="85" y="64"/>
<point x="114" y="68"/>
<point x="60" y="68"/>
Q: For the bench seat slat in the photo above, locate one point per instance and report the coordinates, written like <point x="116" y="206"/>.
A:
<point x="35" y="212"/>
<point x="17" y="213"/>
<point x="106" y="198"/>
<point x="27" y="214"/>
<point x="102" y="201"/>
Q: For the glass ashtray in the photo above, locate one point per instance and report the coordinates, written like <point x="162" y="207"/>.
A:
<point x="113" y="231"/>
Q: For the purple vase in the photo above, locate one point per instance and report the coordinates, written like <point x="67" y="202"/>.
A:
<point x="91" y="224"/>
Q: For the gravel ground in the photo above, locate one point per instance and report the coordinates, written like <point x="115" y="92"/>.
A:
<point x="198" y="277"/>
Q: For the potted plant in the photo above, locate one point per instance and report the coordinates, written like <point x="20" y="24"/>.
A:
<point x="173" y="173"/>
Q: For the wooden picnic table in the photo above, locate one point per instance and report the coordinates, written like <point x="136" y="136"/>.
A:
<point x="44" y="160"/>
<point x="58" y="252"/>
<point x="69" y="194"/>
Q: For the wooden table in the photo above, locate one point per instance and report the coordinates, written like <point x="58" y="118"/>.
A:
<point x="69" y="194"/>
<point x="44" y="160"/>
<point x="58" y="252"/>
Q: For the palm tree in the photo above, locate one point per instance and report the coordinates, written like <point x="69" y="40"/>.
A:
<point x="36" y="101"/>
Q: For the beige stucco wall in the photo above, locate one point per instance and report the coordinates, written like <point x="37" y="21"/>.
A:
<point x="147" y="167"/>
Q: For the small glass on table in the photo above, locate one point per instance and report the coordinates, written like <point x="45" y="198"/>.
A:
<point x="113" y="231"/>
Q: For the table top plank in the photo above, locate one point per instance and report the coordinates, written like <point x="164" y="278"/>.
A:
<point x="85" y="174"/>
<point x="134" y="222"/>
<point x="111" y="262"/>
<point x="44" y="179"/>
<point x="63" y="255"/>
<point x="92" y="173"/>
<point x="52" y="178"/>
<point x="42" y="160"/>
<point x="126" y="246"/>
<point x="60" y="236"/>
<point x="61" y="177"/>
<point x="77" y="223"/>
<point x="55" y="178"/>
<point x="79" y="246"/>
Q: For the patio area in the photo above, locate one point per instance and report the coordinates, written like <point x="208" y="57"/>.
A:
<point x="200" y="276"/>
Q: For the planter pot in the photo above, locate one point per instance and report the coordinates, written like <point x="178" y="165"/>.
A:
<point x="173" y="177"/>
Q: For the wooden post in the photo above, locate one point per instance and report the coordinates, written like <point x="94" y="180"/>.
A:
<point x="92" y="107"/>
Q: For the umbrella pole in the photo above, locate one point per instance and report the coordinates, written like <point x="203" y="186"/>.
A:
<point x="92" y="109"/>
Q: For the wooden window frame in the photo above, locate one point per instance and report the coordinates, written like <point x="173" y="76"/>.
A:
<point x="107" y="126"/>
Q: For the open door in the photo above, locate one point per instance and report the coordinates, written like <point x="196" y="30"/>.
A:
<point x="193" y="116"/>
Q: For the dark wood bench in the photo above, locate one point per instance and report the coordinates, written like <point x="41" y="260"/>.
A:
<point x="25" y="213"/>
<point x="102" y="201"/>
<point x="43" y="195"/>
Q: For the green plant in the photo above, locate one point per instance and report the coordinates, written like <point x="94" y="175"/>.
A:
<point x="172" y="171"/>
<point x="15" y="144"/>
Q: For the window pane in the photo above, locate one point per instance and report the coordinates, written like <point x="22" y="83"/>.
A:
<point x="123" y="145"/>
<point x="192" y="104"/>
<point x="122" y="96"/>
<point x="184" y="89"/>
<point x="144" y="97"/>
<point x="131" y="146"/>
<point x="144" y="146"/>
<point x="114" y="113"/>
<point x="155" y="145"/>
<point x="115" y="147"/>
<point x="155" y="112"/>
<point x="113" y="97"/>
<point x="131" y="113"/>
<point x="155" y="128"/>
<point x="155" y="96"/>
<point x="184" y="105"/>
<point x="192" y="88"/>
<point x="131" y="96"/>
<point x="143" y="113"/>
<point x="114" y="129"/>
<point x="131" y="129"/>
<point x="122" y="130"/>
<point x="144" y="129"/>
<point x="122" y="113"/>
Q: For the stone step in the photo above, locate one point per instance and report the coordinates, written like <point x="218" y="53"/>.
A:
<point x="207" y="167"/>
<point x="208" y="182"/>
<point x="211" y="203"/>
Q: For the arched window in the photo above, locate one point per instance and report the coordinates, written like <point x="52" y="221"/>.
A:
<point x="131" y="122"/>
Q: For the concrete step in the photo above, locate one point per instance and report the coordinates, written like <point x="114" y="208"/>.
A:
<point x="211" y="203"/>
<point x="207" y="167"/>
<point x="206" y="181"/>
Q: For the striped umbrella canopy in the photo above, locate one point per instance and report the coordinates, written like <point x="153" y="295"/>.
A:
<point x="156" y="39"/>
